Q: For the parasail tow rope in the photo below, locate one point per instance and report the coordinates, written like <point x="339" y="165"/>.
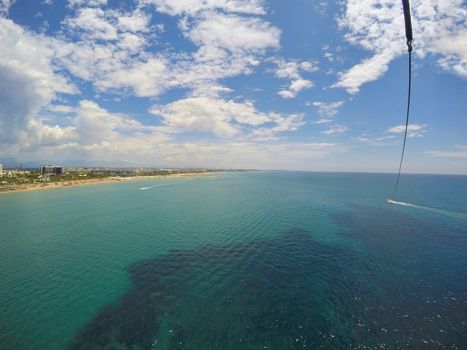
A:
<point x="408" y="35"/>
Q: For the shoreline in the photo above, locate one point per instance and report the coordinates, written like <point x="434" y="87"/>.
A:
<point x="104" y="181"/>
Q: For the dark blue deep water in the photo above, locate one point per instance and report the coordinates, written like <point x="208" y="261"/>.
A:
<point x="273" y="260"/>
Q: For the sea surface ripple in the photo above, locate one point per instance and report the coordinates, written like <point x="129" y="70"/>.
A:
<point x="259" y="260"/>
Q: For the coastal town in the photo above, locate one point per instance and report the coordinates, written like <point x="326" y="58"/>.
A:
<point x="19" y="179"/>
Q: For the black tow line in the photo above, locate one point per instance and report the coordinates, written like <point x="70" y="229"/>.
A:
<point x="408" y="35"/>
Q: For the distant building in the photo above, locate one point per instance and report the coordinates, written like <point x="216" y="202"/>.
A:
<point x="1" y="170"/>
<point x="51" y="170"/>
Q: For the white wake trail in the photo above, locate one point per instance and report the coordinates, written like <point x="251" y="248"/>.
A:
<point x="163" y="185"/>
<point x="434" y="210"/>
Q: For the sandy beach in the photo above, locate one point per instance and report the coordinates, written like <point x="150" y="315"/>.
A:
<point x="107" y="180"/>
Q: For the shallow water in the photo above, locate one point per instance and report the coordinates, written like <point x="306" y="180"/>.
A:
<point x="271" y="260"/>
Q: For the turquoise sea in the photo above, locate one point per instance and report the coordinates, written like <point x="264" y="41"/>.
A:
<point x="248" y="260"/>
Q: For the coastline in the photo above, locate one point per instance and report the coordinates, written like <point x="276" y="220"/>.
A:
<point x="104" y="181"/>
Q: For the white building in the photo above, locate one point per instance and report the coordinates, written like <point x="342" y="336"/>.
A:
<point x="1" y="170"/>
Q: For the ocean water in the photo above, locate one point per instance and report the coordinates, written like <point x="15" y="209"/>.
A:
<point x="260" y="260"/>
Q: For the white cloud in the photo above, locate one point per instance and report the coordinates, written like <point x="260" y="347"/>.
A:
<point x="113" y="50"/>
<point x="78" y="3"/>
<point x="368" y="70"/>
<point x="250" y="33"/>
<point x="461" y="153"/>
<point x="134" y="22"/>
<point x="413" y="130"/>
<point x="110" y="50"/>
<point x="334" y="130"/>
<point x="28" y="79"/>
<point x="96" y="134"/>
<point x="378" y="26"/>
<point x="293" y="70"/>
<point x="223" y="118"/>
<point x="41" y="134"/>
<point x="95" y="24"/>
<point x="328" y="54"/>
<point x="222" y="52"/>
<point x="94" y="124"/>
<point x="328" y="109"/>
<point x="375" y="141"/>
<point x="101" y="64"/>
<point x="287" y="123"/>
<point x="145" y="78"/>
<point x="391" y="134"/>
<point x="322" y="121"/>
<point x="60" y="108"/>
<point x="300" y="84"/>
<point x="5" y="6"/>
<point x="455" y="50"/>
<point x="192" y="7"/>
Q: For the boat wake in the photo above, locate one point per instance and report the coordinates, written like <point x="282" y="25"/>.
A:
<point x="434" y="210"/>
<point x="163" y="185"/>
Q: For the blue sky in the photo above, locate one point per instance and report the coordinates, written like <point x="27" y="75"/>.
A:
<point x="297" y="85"/>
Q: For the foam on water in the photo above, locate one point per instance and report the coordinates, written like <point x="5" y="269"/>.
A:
<point x="171" y="183"/>
<point x="434" y="210"/>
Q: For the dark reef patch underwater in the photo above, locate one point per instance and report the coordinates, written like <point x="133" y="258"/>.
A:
<point x="294" y="292"/>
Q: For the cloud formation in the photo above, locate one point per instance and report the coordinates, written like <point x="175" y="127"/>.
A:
<point x="413" y="130"/>
<point x="378" y="27"/>
<point x="193" y="7"/>
<point x="113" y="50"/>
<point x="223" y="118"/>
<point x="328" y="109"/>
<point x="5" y="6"/>
<point x="292" y="70"/>
<point x="28" y="80"/>
<point x="335" y="129"/>
<point x="460" y="152"/>
<point x="197" y="79"/>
